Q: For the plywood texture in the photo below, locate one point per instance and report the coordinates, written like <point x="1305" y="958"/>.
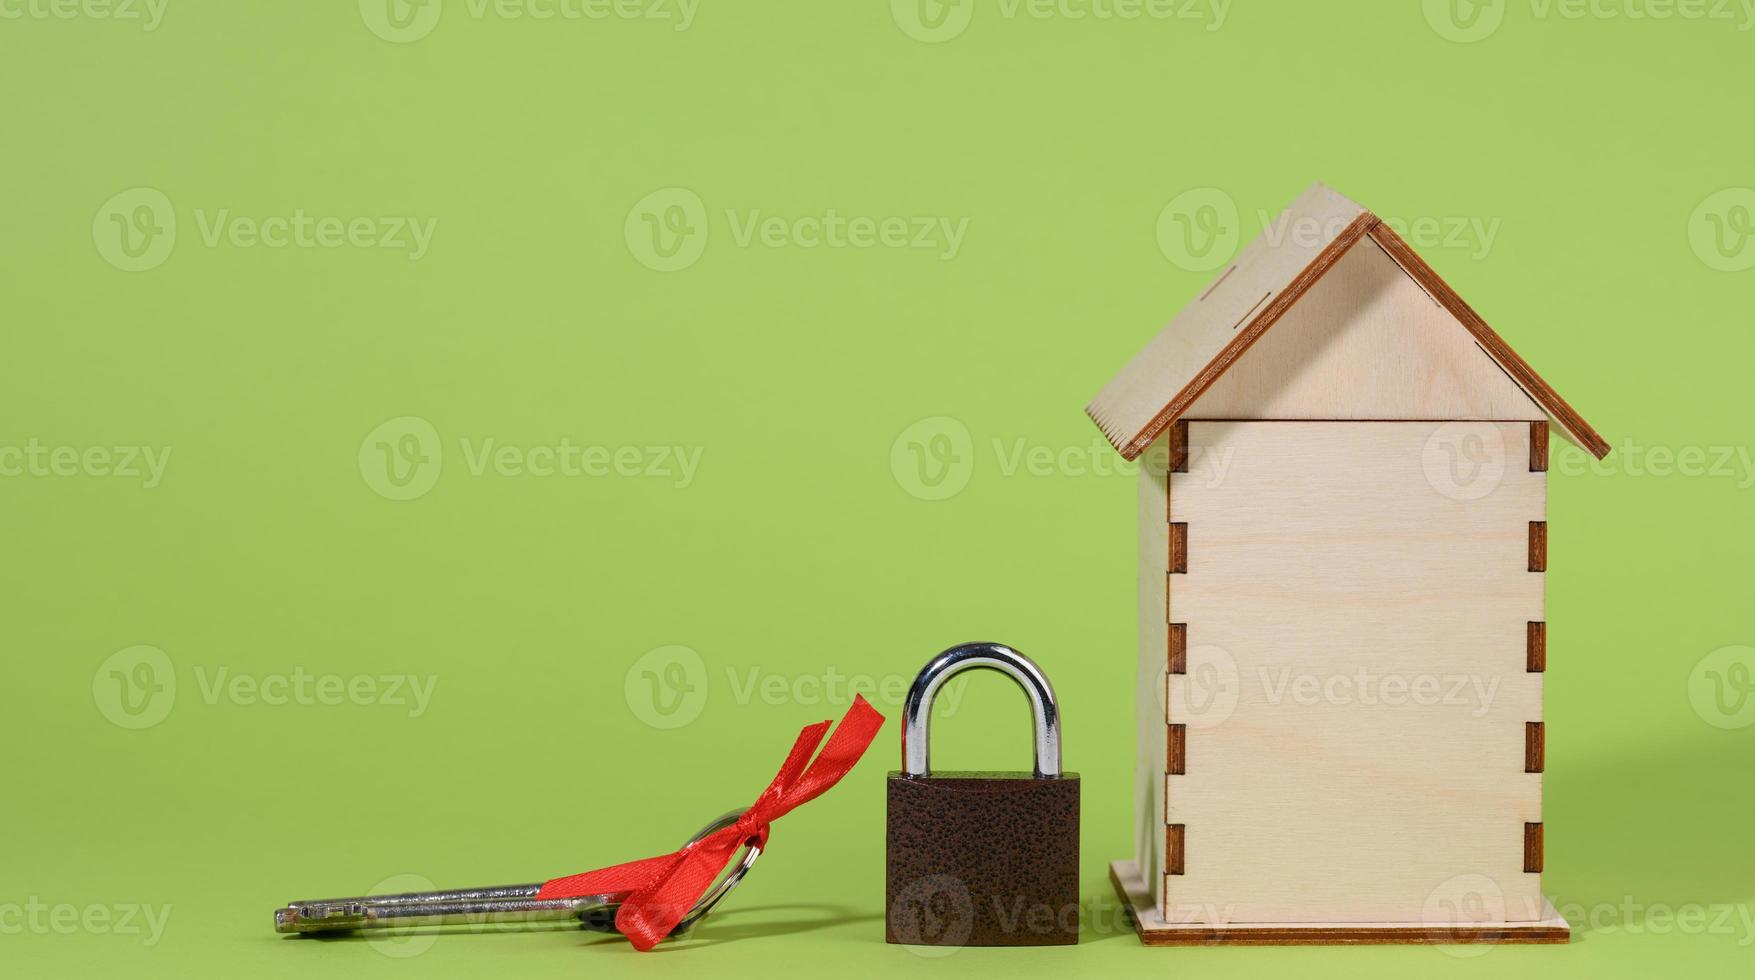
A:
<point x="1357" y="603"/>
<point x="1571" y="423"/>
<point x="1389" y="364"/>
<point x="1441" y="924"/>
<point x="1366" y="342"/>
<point x="1152" y="660"/>
<point x="1242" y="300"/>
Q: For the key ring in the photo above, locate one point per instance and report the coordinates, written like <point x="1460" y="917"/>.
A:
<point x="752" y="849"/>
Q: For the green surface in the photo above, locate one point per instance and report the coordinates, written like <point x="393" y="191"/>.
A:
<point x="472" y="217"/>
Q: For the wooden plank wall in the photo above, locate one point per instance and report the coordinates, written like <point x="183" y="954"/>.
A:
<point x="1358" y="619"/>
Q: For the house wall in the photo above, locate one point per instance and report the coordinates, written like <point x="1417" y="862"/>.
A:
<point x="1149" y="709"/>
<point x="1352" y="714"/>
<point x="1366" y="342"/>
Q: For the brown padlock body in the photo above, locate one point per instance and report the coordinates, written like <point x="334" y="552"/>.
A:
<point x="982" y="859"/>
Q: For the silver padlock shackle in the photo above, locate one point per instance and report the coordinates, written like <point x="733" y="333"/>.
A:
<point x="917" y="709"/>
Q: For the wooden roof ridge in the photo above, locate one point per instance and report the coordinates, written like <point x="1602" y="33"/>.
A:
<point x="1199" y="345"/>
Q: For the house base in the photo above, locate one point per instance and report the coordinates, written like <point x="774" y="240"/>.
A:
<point x="1136" y="898"/>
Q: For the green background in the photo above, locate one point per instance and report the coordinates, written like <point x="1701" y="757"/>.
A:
<point x="802" y="549"/>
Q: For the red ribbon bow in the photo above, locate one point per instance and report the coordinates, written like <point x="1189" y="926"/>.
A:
<point x="659" y="891"/>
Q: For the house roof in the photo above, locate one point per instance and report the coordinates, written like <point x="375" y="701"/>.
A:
<point x="1267" y="277"/>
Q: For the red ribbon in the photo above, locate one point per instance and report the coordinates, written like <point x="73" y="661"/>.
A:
<point x="659" y="891"/>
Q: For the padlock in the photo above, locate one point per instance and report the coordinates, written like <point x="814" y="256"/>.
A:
<point x="982" y="858"/>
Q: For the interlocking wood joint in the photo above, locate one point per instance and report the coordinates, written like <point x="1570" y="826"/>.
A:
<point x="1532" y="848"/>
<point x="1377" y="361"/>
<point x="1179" y="446"/>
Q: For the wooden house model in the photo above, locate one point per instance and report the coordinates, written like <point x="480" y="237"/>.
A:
<point x="1341" y="629"/>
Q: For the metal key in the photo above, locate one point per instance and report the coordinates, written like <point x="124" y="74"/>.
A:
<point x="498" y="904"/>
